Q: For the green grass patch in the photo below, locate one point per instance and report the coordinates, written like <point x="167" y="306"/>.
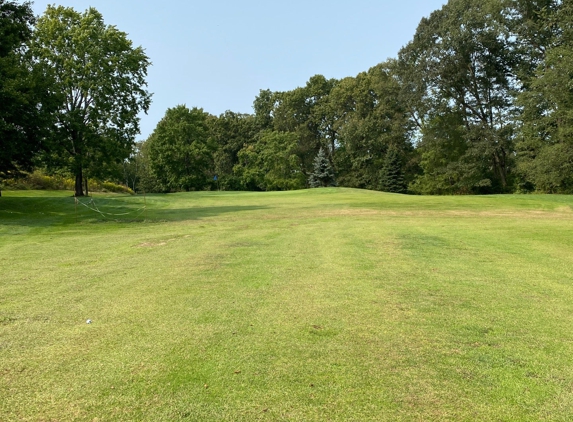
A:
<point x="324" y="304"/>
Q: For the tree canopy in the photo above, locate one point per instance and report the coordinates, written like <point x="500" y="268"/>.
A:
<point x="101" y="77"/>
<point x="180" y="150"/>
<point x="25" y="100"/>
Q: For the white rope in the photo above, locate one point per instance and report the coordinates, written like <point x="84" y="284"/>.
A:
<point x="106" y="214"/>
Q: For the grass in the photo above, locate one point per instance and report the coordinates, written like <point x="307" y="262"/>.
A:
<point x="327" y="304"/>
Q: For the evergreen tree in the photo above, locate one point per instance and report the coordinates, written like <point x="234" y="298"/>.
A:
<point x="391" y="175"/>
<point x="323" y="174"/>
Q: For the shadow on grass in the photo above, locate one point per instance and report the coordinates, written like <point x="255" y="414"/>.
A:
<point x="49" y="211"/>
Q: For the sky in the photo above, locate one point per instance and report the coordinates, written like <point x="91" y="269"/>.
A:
<point x="218" y="55"/>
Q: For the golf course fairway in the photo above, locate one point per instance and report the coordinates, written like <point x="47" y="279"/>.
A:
<point x="326" y="304"/>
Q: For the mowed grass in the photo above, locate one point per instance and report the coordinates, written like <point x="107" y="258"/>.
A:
<point x="317" y="305"/>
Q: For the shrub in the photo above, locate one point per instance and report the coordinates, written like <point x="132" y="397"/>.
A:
<point x="112" y="187"/>
<point x="40" y="181"/>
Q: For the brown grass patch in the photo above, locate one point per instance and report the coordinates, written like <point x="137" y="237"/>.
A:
<point x="360" y="212"/>
<point x="151" y="244"/>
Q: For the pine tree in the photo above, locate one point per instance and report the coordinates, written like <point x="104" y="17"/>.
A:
<point x="323" y="174"/>
<point x="391" y="175"/>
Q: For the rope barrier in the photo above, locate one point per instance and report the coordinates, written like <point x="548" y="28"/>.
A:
<point x="106" y="214"/>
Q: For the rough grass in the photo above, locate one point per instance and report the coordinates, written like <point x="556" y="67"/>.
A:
<point x="328" y="304"/>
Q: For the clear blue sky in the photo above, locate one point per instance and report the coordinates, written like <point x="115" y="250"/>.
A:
<point x="218" y="54"/>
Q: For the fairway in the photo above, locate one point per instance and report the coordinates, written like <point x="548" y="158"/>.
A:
<point x="326" y="304"/>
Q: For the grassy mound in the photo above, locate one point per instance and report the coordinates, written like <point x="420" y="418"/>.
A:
<point x="326" y="304"/>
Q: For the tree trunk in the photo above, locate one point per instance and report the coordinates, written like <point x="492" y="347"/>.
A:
<point x="500" y="166"/>
<point x="79" y="183"/>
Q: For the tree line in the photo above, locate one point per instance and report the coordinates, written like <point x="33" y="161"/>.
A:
<point x="479" y="101"/>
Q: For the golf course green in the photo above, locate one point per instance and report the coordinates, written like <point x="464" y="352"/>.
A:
<point x="327" y="304"/>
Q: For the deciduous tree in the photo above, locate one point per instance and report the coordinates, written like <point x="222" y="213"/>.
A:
<point x="270" y="163"/>
<point x="371" y="118"/>
<point x="102" y="78"/>
<point x="180" y="150"/>
<point x="231" y="132"/>
<point x="25" y="95"/>
<point x="545" y="148"/>
<point x="462" y="62"/>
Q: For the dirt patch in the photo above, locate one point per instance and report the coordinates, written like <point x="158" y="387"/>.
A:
<point x="162" y="242"/>
<point x="510" y="214"/>
<point x="564" y="213"/>
<point x="358" y="212"/>
<point x="151" y="244"/>
<point x="5" y="320"/>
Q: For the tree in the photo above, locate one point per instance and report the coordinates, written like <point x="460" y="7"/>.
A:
<point x="180" y="150"/>
<point x="141" y="173"/>
<point x="231" y="132"/>
<point x="371" y="117"/>
<point x="25" y="97"/>
<point x="532" y="24"/>
<point x="462" y="63"/>
<point x="270" y="163"/>
<point x="391" y="175"/>
<point x="442" y="151"/>
<point x="306" y="112"/>
<point x="322" y="174"/>
<point x="545" y="147"/>
<point x="102" y="78"/>
<point x="264" y="106"/>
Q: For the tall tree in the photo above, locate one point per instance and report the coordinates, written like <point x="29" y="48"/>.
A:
<point x="534" y="29"/>
<point x="306" y="112"/>
<point x="102" y="77"/>
<point x="25" y="96"/>
<point x="180" y="150"/>
<point x="264" y="106"/>
<point x="462" y="62"/>
<point x="545" y="148"/>
<point x="231" y="132"/>
<point x="371" y="118"/>
<point x="270" y="163"/>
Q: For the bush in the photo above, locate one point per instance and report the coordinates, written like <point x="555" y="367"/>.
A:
<point x="40" y="181"/>
<point x="112" y="187"/>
